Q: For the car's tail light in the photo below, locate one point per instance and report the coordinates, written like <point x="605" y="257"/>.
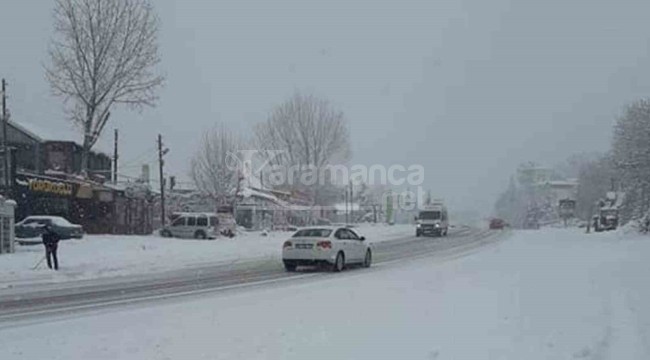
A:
<point x="324" y="244"/>
<point x="287" y="244"/>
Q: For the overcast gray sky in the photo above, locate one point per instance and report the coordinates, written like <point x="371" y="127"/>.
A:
<point x="467" y="88"/>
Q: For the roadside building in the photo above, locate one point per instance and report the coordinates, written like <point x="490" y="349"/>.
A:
<point x="39" y="151"/>
<point x="261" y="209"/>
<point x="44" y="180"/>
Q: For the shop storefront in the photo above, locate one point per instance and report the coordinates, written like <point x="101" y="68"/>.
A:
<point x="38" y="195"/>
<point x="98" y="208"/>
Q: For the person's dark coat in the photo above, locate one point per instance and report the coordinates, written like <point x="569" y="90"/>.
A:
<point x="50" y="237"/>
<point x="51" y="241"/>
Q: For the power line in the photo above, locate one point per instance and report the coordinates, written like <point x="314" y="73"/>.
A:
<point x="150" y="151"/>
<point x="138" y="165"/>
<point x="154" y="181"/>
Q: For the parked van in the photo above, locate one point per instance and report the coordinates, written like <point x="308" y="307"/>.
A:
<point x="193" y="226"/>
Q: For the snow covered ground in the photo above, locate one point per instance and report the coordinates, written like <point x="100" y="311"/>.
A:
<point x="550" y="294"/>
<point x="106" y="256"/>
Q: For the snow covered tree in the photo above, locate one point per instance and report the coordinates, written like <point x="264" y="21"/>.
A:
<point x="511" y="205"/>
<point x="368" y="195"/>
<point x="306" y="131"/>
<point x="631" y="157"/>
<point x="595" y="179"/>
<point x="103" y="54"/>
<point x="573" y="165"/>
<point x="528" y="201"/>
<point x="214" y="168"/>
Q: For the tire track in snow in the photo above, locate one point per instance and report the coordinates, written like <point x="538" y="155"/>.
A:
<point x="70" y="300"/>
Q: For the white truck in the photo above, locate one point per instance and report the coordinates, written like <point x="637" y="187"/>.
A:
<point x="433" y="220"/>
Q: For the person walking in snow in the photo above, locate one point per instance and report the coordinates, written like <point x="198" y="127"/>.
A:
<point x="51" y="242"/>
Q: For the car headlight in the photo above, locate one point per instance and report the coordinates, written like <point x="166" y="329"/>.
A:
<point x="418" y="225"/>
<point x="437" y="225"/>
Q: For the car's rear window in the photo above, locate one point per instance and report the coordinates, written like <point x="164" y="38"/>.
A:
<point x="61" y="222"/>
<point x="37" y="221"/>
<point x="313" y="233"/>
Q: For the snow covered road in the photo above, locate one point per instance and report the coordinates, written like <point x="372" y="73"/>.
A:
<point x="106" y="256"/>
<point x="58" y="298"/>
<point x="552" y="294"/>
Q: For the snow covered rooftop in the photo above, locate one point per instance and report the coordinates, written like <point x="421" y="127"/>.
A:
<point x="559" y="183"/>
<point x="350" y="207"/>
<point x="56" y="133"/>
<point x="570" y="182"/>
<point x="247" y="192"/>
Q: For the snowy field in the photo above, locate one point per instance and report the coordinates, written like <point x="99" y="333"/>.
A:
<point x="550" y="294"/>
<point x="105" y="256"/>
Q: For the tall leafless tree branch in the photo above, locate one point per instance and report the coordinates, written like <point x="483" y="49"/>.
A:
<point x="310" y="132"/>
<point x="103" y="53"/>
<point x="210" y="168"/>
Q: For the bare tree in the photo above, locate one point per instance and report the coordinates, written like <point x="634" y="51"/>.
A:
<point x="310" y="132"/>
<point x="103" y="53"/>
<point x="212" y="168"/>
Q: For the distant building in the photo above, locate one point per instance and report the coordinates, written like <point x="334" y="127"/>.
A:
<point x="563" y="189"/>
<point x="529" y="174"/>
<point x="344" y="213"/>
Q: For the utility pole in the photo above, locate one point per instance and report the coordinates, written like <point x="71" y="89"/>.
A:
<point x="351" y="202"/>
<point x="5" y="148"/>
<point x="161" y="163"/>
<point x="115" y="158"/>
<point x="374" y="213"/>
<point x="346" y="206"/>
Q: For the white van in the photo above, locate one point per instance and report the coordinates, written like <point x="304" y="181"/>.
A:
<point x="192" y="226"/>
<point x="432" y="220"/>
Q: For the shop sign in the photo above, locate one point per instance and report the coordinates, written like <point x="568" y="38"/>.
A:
<point x="47" y="186"/>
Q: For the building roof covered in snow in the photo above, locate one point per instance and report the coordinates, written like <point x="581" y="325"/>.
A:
<point x="569" y="183"/>
<point x="265" y="195"/>
<point x="342" y="207"/>
<point x="62" y="133"/>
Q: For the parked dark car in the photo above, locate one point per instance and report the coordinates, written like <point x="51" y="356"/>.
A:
<point x="497" y="224"/>
<point x="33" y="227"/>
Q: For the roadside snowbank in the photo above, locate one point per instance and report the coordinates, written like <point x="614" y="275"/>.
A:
<point x="550" y="294"/>
<point x="98" y="256"/>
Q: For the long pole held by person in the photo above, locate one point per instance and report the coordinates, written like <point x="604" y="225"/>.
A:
<point x="39" y="262"/>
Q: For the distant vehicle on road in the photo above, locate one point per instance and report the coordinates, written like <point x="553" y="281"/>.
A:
<point x="432" y="220"/>
<point x="335" y="247"/>
<point x="498" y="224"/>
<point x="33" y="227"/>
<point x="606" y="220"/>
<point x="607" y="215"/>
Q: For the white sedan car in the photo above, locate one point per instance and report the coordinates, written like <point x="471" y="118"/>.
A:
<point x="332" y="246"/>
